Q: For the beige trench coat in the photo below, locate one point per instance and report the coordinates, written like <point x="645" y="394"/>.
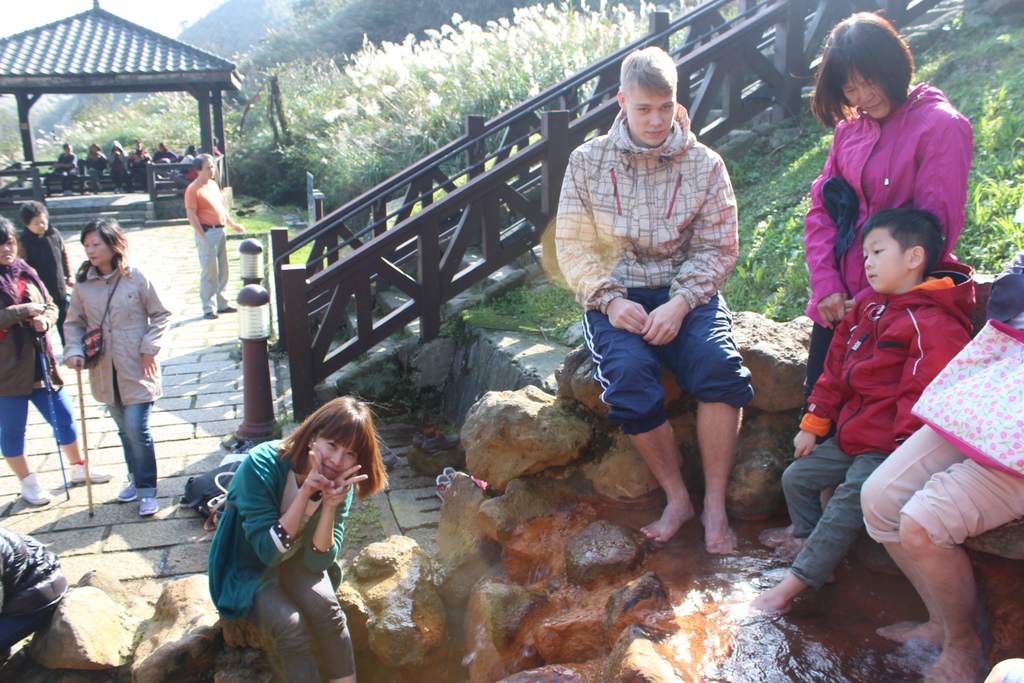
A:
<point x="136" y="322"/>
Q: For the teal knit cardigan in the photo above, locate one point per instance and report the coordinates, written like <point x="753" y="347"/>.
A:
<point x="243" y="557"/>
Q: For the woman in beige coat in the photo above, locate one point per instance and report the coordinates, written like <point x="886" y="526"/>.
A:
<point x="127" y="377"/>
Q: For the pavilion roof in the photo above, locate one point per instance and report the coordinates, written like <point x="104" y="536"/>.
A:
<point x="97" y="51"/>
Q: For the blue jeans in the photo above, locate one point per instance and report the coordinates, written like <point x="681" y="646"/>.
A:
<point x="14" y="415"/>
<point x="137" y="441"/>
<point x="15" y="627"/>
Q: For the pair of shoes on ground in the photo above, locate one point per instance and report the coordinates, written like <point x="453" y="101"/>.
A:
<point x="97" y="476"/>
<point x="147" y="506"/>
<point x="213" y="315"/>
<point x="34" y="494"/>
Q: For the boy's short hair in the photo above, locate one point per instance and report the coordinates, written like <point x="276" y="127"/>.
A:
<point x="650" y="69"/>
<point x="30" y="210"/>
<point x="910" y="228"/>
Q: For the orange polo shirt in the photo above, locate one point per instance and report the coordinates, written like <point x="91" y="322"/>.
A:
<point x="205" y="199"/>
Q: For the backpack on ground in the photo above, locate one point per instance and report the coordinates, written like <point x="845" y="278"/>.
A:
<point x="206" y="493"/>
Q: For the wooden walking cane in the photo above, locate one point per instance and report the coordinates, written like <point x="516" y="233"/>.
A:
<point x="85" y="439"/>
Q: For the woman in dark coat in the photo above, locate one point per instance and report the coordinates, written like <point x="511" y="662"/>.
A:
<point x="31" y="587"/>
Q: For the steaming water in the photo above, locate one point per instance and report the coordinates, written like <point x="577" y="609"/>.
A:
<point x="829" y="637"/>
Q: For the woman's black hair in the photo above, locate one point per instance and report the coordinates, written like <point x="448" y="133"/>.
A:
<point x="864" y="44"/>
<point x="6" y="231"/>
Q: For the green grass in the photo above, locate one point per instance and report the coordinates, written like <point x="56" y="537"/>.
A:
<point x="549" y="309"/>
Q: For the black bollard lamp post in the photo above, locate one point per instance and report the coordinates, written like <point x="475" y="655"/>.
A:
<point x="259" y="423"/>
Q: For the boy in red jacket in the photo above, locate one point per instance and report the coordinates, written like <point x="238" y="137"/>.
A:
<point x="883" y="355"/>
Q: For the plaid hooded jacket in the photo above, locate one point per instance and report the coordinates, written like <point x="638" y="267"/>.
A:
<point x="631" y="216"/>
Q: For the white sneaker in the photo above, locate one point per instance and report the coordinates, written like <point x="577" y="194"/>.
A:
<point x="32" y="493"/>
<point x="97" y="476"/>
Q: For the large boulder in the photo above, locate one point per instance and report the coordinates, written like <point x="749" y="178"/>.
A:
<point x="602" y="549"/>
<point x="511" y="434"/>
<point x="181" y="642"/>
<point x="88" y="631"/>
<point x="635" y="659"/>
<point x="466" y="552"/>
<point x="619" y="474"/>
<point x="763" y="451"/>
<point x="406" y="618"/>
<point x="575" y="636"/>
<point x="522" y="501"/>
<point x="1004" y="541"/>
<point x="776" y="355"/>
<point x="641" y="600"/>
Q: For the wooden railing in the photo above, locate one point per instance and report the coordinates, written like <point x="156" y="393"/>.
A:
<point x="20" y="185"/>
<point x="497" y="185"/>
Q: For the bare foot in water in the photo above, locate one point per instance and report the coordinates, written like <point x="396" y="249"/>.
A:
<point x="903" y="631"/>
<point x="956" y="665"/>
<point x="675" y="515"/>
<point x="719" y="538"/>
<point x="779" y="598"/>
<point x="782" y="540"/>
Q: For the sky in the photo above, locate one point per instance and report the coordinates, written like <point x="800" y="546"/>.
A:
<point x="168" y="17"/>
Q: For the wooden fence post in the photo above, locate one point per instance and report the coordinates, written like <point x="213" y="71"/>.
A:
<point x="278" y="245"/>
<point x="428" y="259"/>
<point x="300" y="341"/>
<point x="554" y="130"/>
<point x="475" y="152"/>
<point x="657" y="22"/>
<point x="789" y="60"/>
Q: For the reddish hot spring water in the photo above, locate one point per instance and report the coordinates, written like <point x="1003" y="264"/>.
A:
<point x="828" y="637"/>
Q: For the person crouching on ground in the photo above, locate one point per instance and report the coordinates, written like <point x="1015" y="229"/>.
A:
<point x="646" y="235"/>
<point x="883" y="355"/>
<point x="272" y="560"/>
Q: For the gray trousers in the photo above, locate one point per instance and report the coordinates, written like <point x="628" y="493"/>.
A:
<point x="829" y="532"/>
<point x="303" y="616"/>
<point x="213" y="269"/>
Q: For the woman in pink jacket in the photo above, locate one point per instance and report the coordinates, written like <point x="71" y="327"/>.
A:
<point x="894" y="146"/>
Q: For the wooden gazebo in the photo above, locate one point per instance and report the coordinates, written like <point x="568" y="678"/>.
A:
<point x="99" y="52"/>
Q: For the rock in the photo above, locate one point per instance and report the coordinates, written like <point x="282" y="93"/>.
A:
<point x="510" y="434"/>
<point x="431" y="452"/>
<point x="431" y="365"/>
<point x="242" y="665"/>
<point x="356" y="615"/>
<point x="762" y="454"/>
<point x="573" y="334"/>
<point x="737" y="143"/>
<point x="465" y="552"/>
<point x="776" y="355"/>
<point x="636" y="603"/>
<point x="1005" y="541"/>
<point x="635" y="660"/>
<point x="242" y="633"/>
<point x="620" y="473"/>
<point x="180" y="644"/>
<point x="88" y="631"/>
<point x="602" y="549"/>
<point x="571" y="637"/>
<point x="106" y="582"/>
<point x="575" y="378"/>
<point x="522" y="501"/>
<point x="1000" y="585"/>
<point x="503" y="607"/>
<point x="406" y="618"/>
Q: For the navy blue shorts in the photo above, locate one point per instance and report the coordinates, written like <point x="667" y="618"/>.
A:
<point x="703" y="357"/>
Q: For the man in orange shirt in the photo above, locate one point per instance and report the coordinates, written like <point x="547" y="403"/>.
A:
<point x="207" y="215"/>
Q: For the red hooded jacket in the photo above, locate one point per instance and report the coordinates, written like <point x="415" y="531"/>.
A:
<point x="883" y="355"/>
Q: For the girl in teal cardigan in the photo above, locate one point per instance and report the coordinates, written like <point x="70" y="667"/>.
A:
<point x="272" y="560"/>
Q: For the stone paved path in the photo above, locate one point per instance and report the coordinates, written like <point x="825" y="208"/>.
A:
<point x="202" y="404"/>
